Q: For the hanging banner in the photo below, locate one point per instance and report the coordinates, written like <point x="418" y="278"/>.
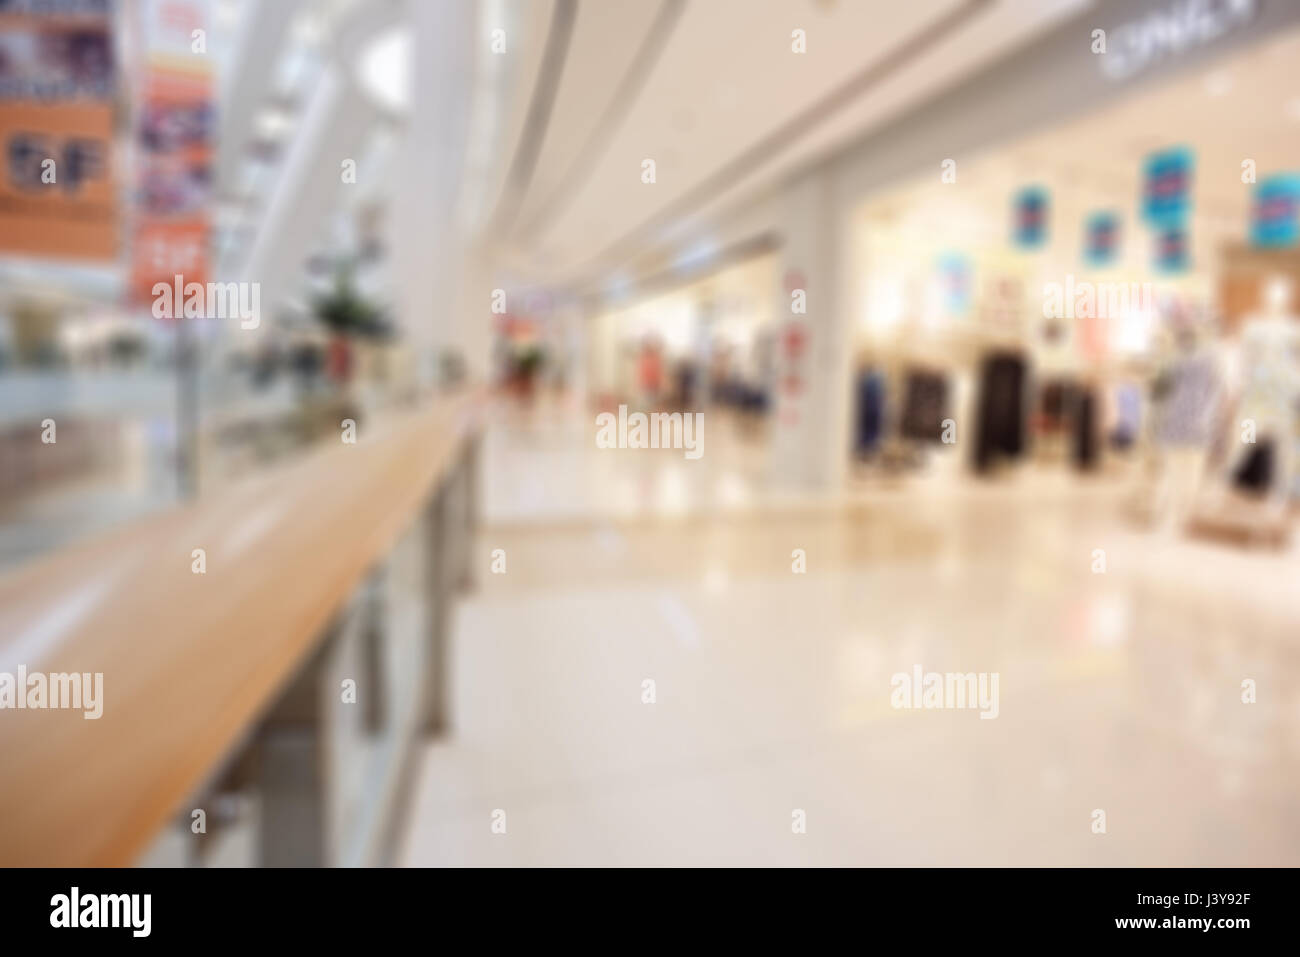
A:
<point x="1274" y="222"/>
<point x="1101" y="239"/>
<point x="57" y="76"/>
<point x="1171" y="254"/>
<point x="174" y="148"/>
<point x="1030" y="227"/>
<point x="1167" y="187"/>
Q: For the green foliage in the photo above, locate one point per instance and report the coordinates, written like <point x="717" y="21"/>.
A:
<point x="345" y="311"/>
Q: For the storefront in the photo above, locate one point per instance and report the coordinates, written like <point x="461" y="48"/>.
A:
<point x="708" y="341"/>
<point x="1103" y="295"/>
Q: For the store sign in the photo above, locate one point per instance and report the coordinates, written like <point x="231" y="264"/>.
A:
<point x="1171" y="31"/>
<point x="174" y="145"/>
<point x="1101" y="239"/>
<point x="1167" y="187"/>
<point x="1030" y="228"/>
<point x="1274" y="221"/>
<point x="57" y="76"/>
<point x="1172" y="255"/>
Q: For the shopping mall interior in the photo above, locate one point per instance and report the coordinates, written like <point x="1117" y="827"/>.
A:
<point x="562" y="432"/>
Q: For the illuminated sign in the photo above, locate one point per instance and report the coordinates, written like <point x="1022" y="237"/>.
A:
<point x="1171" y="31"/>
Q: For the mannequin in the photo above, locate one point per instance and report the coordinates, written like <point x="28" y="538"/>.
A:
<point x="1268" y="390"/>
<point x="1187" y="395"/>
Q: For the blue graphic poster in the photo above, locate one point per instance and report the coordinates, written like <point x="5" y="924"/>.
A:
<point x="1031" y="217"/>
<point x="1101" y="239"/>
<point x="1172" y="253"/>
<point x="1167" y="187"/>
<point x="1273" y="217"/>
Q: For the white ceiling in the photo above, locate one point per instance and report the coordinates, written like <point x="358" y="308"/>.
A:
<point x="724" y="87"/>
<point x="1245" y="106"/>
<point x="606" y="38"/>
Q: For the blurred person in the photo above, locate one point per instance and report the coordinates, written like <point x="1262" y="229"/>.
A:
<point x="650" y="371"/>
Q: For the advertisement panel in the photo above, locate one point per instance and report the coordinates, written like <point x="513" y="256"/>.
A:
<point x="174" y="148"/>
<point x="57" y="80"/>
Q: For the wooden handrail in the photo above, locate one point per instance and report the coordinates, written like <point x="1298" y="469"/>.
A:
<point x="191" y="660"/>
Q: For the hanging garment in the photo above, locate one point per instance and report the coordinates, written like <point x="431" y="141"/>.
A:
<point x="1084" y="430"/>
<point x="925" y="405"/>
<point x="1053" y="403"/>
<point x="1128" y="415"/>
<point x="1189" y="393"/>
<point x="1000" y="422"/>
<point x="870" y="411"/>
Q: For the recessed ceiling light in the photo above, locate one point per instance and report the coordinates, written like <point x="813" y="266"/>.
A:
<point x="384" y="68"/>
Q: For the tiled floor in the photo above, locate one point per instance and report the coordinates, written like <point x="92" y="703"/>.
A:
<point x="1118" y="691"/>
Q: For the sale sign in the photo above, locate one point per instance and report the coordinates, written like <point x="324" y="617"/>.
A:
<point x="57" y="76"/>
<point x="174" y="148"/>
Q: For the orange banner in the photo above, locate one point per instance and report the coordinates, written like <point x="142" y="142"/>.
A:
<point x="171" y="235"/>
<point x="57" y="196"/>
<point x="174" y="182"/>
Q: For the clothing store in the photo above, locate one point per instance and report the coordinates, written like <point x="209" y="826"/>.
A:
<point x="703" y="337"/>
<point x="1113" y="296"/>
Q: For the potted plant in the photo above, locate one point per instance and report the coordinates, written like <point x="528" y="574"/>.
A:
<point x="528" y="365"/>
<point x="349" y="316"/>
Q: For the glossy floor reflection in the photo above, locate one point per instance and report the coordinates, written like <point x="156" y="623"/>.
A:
<point x="1119" y="691"/>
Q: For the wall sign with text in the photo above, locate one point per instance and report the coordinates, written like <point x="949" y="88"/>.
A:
<point x="57" y="79"/>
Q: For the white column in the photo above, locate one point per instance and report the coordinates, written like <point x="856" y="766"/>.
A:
<point x="427" y="248"/>
<point x="469" y="327"/>
<point x="810" y="428"/>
